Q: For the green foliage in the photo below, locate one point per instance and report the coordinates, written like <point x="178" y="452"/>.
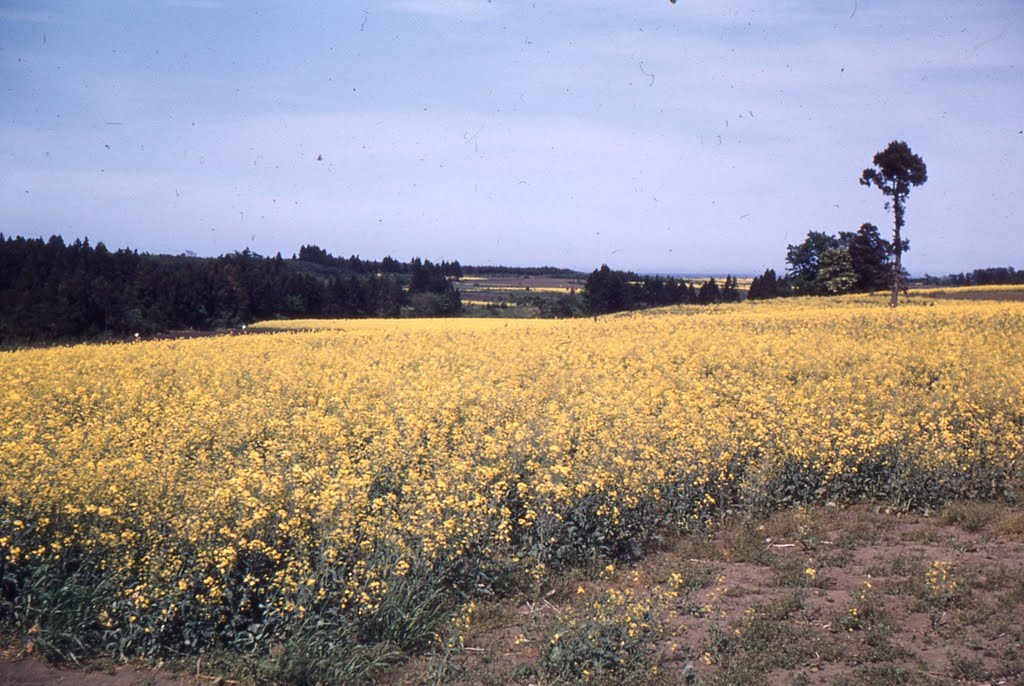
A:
<point x="606" y="291"/>
<point x="408" y="615"/>
<point x="768" y="286"/>
<point x="709" y="293"/>
<point x="334" y="644"/>
<point x="593" y="648"/>
<point x="765" y="639"/>
<point x="730" y="292"/>
<point x="562" y="307"/>
<point x="612" y="636"/>
<point x="986" y="277"/>
<point x="310" y="657"/>
<point x="70" y="608"/>
<point x="804" y="261"/>
<point x="59" y="607"/>
<point x="824" y="264"/>
<point x="895" y="170"/>
<point x="431" y="292"/>
<point x="435" y="304"/>
<point x="835" y="273"/>
<point x="870" y="258"/>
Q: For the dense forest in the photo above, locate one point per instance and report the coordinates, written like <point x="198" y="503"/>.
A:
<point x="50" y="290"/>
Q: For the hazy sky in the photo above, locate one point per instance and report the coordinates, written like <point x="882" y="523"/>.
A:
<point x="691" y="137"/>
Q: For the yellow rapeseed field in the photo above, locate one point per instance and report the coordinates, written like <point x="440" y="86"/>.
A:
<point x="229" y="487"/>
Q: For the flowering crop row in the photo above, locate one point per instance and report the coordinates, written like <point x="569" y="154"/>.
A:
<point x="226" y="490"/>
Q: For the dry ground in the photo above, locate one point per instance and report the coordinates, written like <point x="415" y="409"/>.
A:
<point x="939" y="600"/>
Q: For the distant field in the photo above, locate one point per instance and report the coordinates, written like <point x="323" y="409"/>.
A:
<point x="489" y="295"/>
<point x="521" y="283"/>
<point x="743" y="282"/>
<point x="1013" y="293"/>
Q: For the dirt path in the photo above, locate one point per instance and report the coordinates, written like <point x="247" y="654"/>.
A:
<point x="30" y="671"/>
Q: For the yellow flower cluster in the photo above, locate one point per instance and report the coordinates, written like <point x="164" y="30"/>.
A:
<point x="940" y="583"/>
<point x="260" y="473"/>
<point x="617" y="629"/>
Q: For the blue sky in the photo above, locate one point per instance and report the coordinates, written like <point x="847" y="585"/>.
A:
<point x="691" y="137"/>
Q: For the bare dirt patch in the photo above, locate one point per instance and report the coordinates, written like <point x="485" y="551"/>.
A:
<point x="30" y="671"/>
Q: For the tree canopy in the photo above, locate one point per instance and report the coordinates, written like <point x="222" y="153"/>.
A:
<point x="805" y="261"/>
<point x="870" y="257"/>
<point x="824" y="264"/>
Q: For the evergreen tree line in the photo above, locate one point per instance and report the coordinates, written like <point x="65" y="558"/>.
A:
<point x="316" y="255"/>
<point x="50" y="290"/>
<point x="769" y="285"/>
<point x="607" y="290"/>
<point x="990" y="276"/>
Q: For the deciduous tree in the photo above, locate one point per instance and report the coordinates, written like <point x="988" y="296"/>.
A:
<point x="804" y="261"/>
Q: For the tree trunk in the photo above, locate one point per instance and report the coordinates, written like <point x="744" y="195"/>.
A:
<point x="897" y="273"/>
<point x="897" y="245"/>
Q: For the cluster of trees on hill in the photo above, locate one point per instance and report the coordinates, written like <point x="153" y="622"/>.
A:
<point x="607" y="290"/>
<point x="858" y="261"/>
<point x="50" y="290"/>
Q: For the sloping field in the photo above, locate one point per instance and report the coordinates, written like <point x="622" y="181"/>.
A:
<point x="327" y="500"/>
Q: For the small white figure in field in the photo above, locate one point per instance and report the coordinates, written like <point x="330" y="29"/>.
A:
<point x="136" y="335"/>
